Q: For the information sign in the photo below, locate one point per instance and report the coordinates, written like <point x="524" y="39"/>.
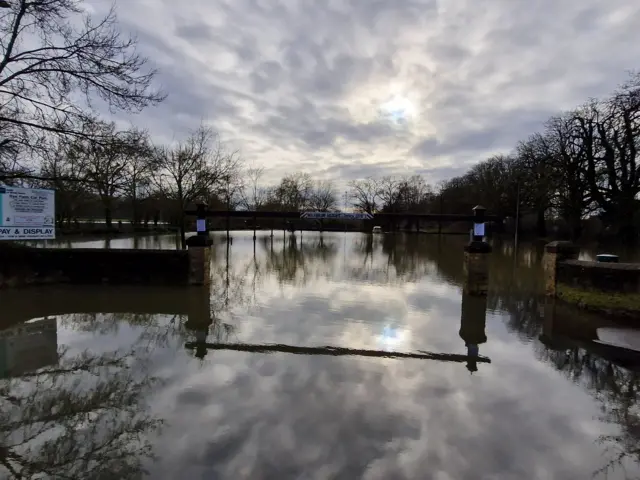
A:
<point x="27" y="213"/>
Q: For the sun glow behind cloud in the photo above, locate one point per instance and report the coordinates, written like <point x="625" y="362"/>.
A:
<point x="398" y="110"/>
<point x="345" y="90"/>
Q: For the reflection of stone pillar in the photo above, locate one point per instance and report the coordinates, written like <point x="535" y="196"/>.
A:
<point x="548" y="316"/>
<point x="472" y="326"/>
<point x="476" y="268"/>
<point x="28" y="347"/>
<point x="555" y="252"/>
<point x="199" y="247"/>
<point x="200" y="318"/>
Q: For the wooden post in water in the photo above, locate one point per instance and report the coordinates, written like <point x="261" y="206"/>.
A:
<point x="476" y="257"/>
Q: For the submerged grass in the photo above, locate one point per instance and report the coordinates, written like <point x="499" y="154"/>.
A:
<point x="614" y="303"/>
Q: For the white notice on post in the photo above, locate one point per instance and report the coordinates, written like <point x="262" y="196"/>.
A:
<point x="478" y="229"/>
<point x="201" y="225"/>
<point x="27" y="213"/>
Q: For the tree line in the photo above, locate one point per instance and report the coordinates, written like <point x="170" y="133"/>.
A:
<point x="583" y="163"/>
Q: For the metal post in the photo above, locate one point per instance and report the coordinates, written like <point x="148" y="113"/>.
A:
<point x="228" y="218"/>
<point x="441" y="210"/>
<point x="517" y="213"/>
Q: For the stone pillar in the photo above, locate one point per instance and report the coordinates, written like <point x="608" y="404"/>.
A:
<point x="476" y="268"/>
<point x="199" y="248"/>
<point x="555" y="252"/>
<point x="476" y="257"/>
<point x="472" y="327"/>
<point x="199" y="318"/>
<point x="548" y="317"/>
<point x="550" y="337"/>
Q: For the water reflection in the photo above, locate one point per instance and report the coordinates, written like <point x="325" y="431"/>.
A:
<point x="286" y="365"/>
<point x="71" y="415"/>
<point x="610" y="373"/>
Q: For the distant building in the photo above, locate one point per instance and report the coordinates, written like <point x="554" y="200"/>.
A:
<point x="28" y="347"/>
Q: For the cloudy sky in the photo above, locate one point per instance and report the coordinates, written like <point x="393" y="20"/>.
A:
<point x="344" y="89"/>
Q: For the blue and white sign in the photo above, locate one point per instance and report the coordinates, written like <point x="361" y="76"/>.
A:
<point x="478" y="229"/>
<point x="27" y="213"/>
<point x="336" y="216"/>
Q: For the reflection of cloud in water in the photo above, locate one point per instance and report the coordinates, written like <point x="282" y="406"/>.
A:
<point x="247" y="415"/>
<point x="274" y="417"/>
<point x="392" y="338"/>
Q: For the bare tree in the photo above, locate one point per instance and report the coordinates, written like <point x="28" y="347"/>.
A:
<point x="413" y="194"/>
<point x="324" y="197"/>
<point x="193" y="170"/>
<point x="365" y="194"/>
<point x="65" y="172"/>
<point x="138" y="169"/>
<point x="570" y="196"/>
<point x="254" y="195"/>
<point x="294" y="191"/>
<point x="389" y="193"/>
<point x="614" y="173"/>
<point x="105" y="161"/>
<point x="56" y="63"/>
<point x="232" y="187"/>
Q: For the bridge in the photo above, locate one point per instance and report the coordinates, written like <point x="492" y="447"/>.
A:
<point x="380" y="217"/>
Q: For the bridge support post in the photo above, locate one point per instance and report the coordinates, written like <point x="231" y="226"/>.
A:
<point x="555" y="252"/>
<point x="473" y="321"/>
<point x="199" y="250"/>
<point x="476" y="258"/>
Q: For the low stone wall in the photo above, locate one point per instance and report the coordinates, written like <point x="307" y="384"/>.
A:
<point x="611" y="288"/>
<point x="23" y="266"/>
<point x="606" y="277"/>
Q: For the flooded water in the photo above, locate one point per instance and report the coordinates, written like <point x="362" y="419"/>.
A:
<point x="341" y="356"/>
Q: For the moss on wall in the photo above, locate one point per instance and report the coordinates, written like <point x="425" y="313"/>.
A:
<point x="612" y="303"/>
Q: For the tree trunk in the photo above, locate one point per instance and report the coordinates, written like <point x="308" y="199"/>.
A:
<point x="134" y="209"/>
<point x="107" y="216"/>
<point x="183" y="237"/>
<point x="624" y="219"/>
<point x="575" y="224"/>
<point x="541" y="224"/>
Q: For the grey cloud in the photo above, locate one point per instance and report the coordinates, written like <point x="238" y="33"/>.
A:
<point x="282" y="77"/>
<point x="267" y="76"/>
<point x="501" y="132"/>
<point x="196" y="32"/>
